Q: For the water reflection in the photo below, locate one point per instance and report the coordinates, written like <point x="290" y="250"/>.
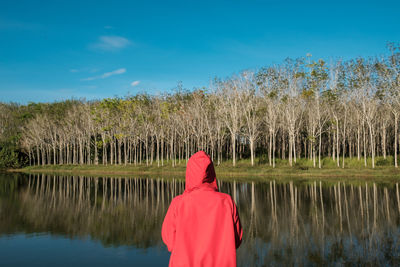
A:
<point x="319" y="224"/>
<point x="284" y="223"/>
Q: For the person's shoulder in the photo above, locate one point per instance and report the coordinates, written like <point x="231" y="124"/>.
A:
<point x="225" y="197"/>
<point x="177" y="198"/>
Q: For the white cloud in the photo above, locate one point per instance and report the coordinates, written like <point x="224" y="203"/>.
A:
<point x="135" y="83"/>
<point x="18" y="25"/>
<point x="115" y="72"/>
<point x="106" y="75"/>
<point x="90" y="78"/>
<point x="111" y="43"/>
<point x="90" y="70"/>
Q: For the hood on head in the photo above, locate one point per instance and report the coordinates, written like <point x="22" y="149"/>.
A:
<point x="199" y="171"/>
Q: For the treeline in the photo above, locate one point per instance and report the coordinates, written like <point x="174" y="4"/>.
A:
<point x="299" y="109"/>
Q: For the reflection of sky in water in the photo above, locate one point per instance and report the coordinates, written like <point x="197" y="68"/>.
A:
<point x="59" y="220"/>
<point x="47" y="250"/>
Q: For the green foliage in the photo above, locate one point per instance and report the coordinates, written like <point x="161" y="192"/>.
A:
<point x="328" y="162"/>
<point x="381" y="161"/>
<point x="300" y="166"/>
<point x="99" y="144"/>
<point x="303" y="164"/>
<point x="10" y="157"/>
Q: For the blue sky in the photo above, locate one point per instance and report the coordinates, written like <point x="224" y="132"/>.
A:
<point x="55" y="50"/>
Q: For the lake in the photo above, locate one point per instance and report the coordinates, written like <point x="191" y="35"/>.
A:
<point x="53" y="220"/>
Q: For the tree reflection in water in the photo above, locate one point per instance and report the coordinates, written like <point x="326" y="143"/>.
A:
<point x="284" y="223"/>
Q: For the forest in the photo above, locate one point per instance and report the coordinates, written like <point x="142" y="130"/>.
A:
<point x="299" y="109"/>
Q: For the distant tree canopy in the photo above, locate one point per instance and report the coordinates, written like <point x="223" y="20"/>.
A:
<point x="299" y="109"/>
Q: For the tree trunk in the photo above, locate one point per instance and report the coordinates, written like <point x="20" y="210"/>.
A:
<point x="372" y="145"/>
<point x="158" y="151"/>
<point x="290" y="150"/>
<point x="364" y="147"/>
<point x="38" y="156"/>
<point x="162" y="151"/>
<point x="233" y="136"/>
<point x="337" y="143"/>
<point x="395" y="140"/>
<point x="119" y="151"/>
<point x="252" y="151"/>
<point x="273" y="149"/>
<point x="270" y="149"/>
<point x="96" y="156"/>
<point x="319" y="150"/>
<point x="80" y="152"/>
<point x="358" y="143"/>
<point x="384" y="140"/>
<point x="111" y="151"/>
<point x="125" y="152"/>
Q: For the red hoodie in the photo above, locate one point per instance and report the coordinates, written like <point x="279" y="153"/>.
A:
<point x="202" y="226"/>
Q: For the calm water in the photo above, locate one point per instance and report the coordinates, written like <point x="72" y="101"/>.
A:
<point x="48" y="220"/>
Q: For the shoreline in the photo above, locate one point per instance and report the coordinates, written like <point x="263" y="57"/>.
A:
<point x="224" y="172"/>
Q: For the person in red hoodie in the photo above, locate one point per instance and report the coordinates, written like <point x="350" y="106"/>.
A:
<point x="202" y="226"/>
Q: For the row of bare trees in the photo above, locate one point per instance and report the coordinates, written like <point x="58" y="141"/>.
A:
<point x="299" y="109"/>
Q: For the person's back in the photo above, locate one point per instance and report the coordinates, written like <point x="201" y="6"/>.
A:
<point x="202" y="226"/>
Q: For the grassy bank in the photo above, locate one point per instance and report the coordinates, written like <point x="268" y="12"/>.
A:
<point x="302" y="169"/>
